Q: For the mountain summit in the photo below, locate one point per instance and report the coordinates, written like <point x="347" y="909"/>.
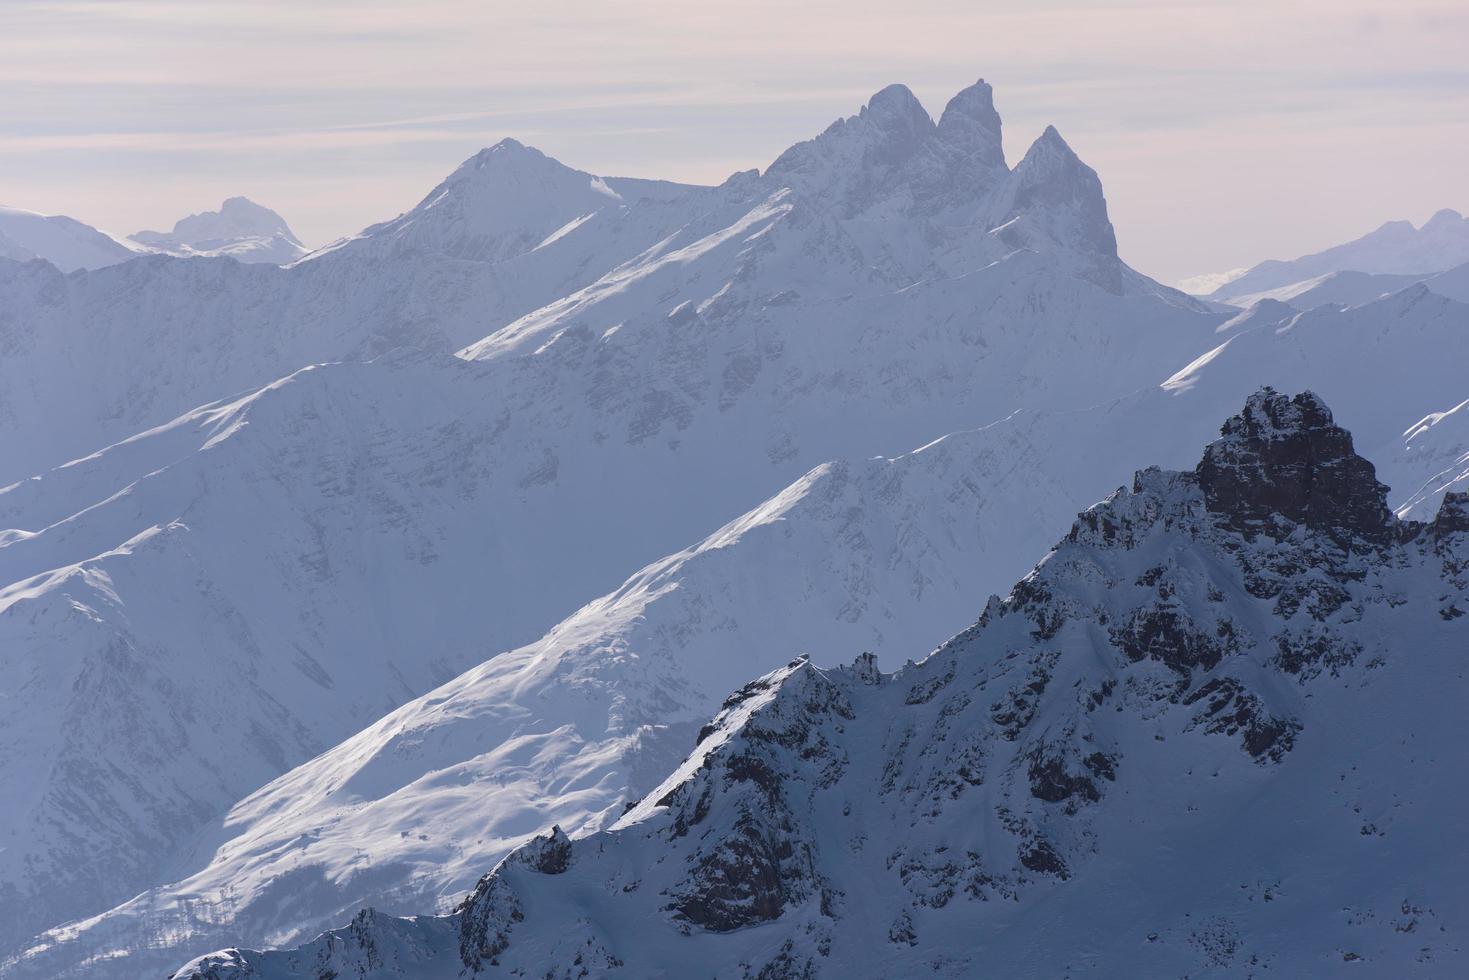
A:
<point x="240" y="229"/>
<point x="1167" y="682"/>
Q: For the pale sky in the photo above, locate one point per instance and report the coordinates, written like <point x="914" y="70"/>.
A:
<point x="1224" y="132"/>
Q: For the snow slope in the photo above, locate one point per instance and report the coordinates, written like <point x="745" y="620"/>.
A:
<point x="64" y="242"/>
<point x="429" y="532"/>
<point x="966" y="511"/>
<point x="427" y="485"/>
<point x="505" y="201"/>
<point x="98" y="357"/>
<point x="240" y="229"/>
<point x="883" y="554"/>
<point x="1397" y="248"/>
<point x="381" y="527"/>
<point x="1206" y="736"/>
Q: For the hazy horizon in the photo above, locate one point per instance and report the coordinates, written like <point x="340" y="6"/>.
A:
<point x="1224" y="134"/>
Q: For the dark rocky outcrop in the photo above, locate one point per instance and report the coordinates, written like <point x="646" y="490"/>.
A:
<point x="1283" y="462"/>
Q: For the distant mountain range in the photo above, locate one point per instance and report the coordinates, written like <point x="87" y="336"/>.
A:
<point x="240" y="229"/>
<point x="330" y="582"/>
<point x="1395" y="255"/>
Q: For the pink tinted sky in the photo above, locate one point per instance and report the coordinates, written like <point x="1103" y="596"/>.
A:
<point x="1224" y="133"/>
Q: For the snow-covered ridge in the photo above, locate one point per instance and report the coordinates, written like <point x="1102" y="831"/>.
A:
<point x="1396" y="249"/>
<point x="882" y="202"/>
<point x="64" y="242"/>
<point x="413" y="474"/>
<point x="506" y="200"/>
<point x="886" y="555"/>
<point x="1254" y="664"/>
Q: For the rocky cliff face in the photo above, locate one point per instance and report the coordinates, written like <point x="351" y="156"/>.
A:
<point x="1207" y="733"/>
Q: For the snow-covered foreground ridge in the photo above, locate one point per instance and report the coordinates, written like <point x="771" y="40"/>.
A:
<point x="880" y="554"/>
<point x="1208" y="734"/>
<point x="383" y="558"/>
<point x="886" y="555"/>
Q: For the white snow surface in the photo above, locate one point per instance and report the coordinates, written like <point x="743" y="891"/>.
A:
<point x="881" y="554"/>
<point x="1205" y="283"/>
<point x="64" y="242"/>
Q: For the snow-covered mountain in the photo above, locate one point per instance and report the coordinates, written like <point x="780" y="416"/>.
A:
<point x="505" y="201"/>
<point x="66" y="243"/>
<point x="636" y="374"/>
<point x="885" y="554"/>
<point x="860" y="554"/>
<point x="886" y="216"/>
<point x="240" y="229"/>
<point x="1206" y="735"/>
<point x="1397" y="248"/>
<point x="95" y="358"/>
<point x="408" y="517"/>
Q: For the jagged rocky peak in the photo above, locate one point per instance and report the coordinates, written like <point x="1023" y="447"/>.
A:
<point x="865" y="669"/>
<point x="1284" y="462"/>
<point x="1054" y="203"/>
<point x="896" y="112"/>
<point x="856" y="161"/>
<point x="892" y="149"/>
<point x="1453" y="515"/>
<point x="971" y="125"/>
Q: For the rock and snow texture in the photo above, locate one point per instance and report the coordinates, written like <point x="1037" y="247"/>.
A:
<point x="1397" y="248"/>
<point x="240" y="229"/>
<point x="64" y="242"/>
<point x="885" y="555"/>
<point x="407" y="515"/>
<point x="411" y="516"/>
<point x="1367" y="361"/>
<point x="1211" y="733"/>
<point x="644" y="361"/>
